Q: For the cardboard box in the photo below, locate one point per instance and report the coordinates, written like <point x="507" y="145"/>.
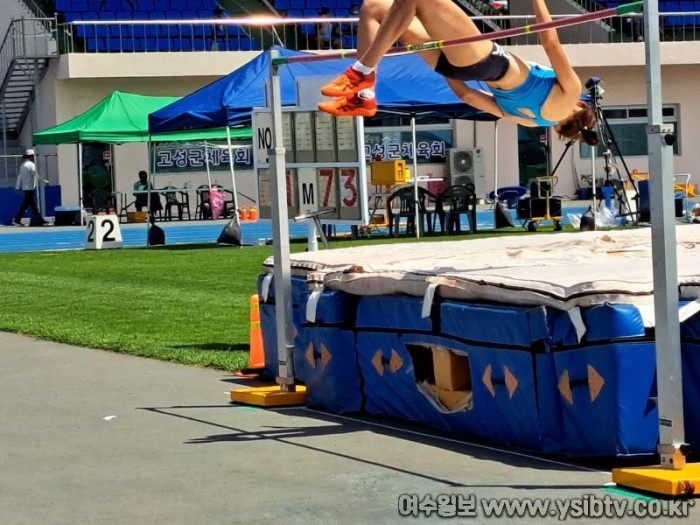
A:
<point x="452" y="371"/>
<point x="136" y="216"/>
<point x="455" y="399"/>
<point x="451" y="400"/>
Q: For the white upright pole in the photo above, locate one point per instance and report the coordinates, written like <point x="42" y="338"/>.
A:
<point x="41" y="186"/>
<point x="206" y="162"/>
<point x="418" y="218"/>
<point x="495" y="160"/>
<point x="233" y="175"/>
<point x="594" y="188"/>
<point x="312" y="242"/>
<point x="151" y="163"/>
<point x="280" y="236"/>
<point x="660" y="139"/>
<point x="80" y="183"/>
<point x="495" y="173"/>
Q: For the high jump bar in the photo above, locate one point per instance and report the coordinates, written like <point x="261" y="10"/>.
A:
<point x="624" y="9"/>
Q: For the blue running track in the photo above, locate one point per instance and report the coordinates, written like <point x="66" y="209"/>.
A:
<point x="15" y="239"/>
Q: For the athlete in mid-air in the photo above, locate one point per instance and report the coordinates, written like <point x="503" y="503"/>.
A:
<point x="524" y="92"/>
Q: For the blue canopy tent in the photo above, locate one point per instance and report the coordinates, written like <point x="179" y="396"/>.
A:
<point x="229" y="101"/>
<point x="406" y="85"/>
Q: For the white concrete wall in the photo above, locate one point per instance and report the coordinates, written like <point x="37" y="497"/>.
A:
<point x="10" y="9"/>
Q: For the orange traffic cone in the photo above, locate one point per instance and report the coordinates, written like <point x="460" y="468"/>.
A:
<point x="256" y="358"/>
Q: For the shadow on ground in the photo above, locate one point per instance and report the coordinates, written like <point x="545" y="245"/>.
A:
<point x="296" y="436"/>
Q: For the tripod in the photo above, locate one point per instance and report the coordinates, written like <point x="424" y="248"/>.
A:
<point x="611" y="154"/>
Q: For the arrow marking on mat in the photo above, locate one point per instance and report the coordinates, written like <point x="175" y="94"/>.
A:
<point x="309" y="355"/>
<point x="595" y="382"/>
<point x="325" y="356"/>
<point x="565" y="387"/>
<point x="511" y="381"/>
<point x="380" y="362"/>
<point x="653" y="399"/>
<point x="486" y="378"/>
<point x="377" y="362"/>
<point x="395" y="363"/>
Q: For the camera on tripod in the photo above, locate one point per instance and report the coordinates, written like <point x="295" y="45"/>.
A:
<point x="595" y="90"/>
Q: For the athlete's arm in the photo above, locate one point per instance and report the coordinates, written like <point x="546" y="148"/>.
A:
<point x="483" y="101"/>
<point x="567" y="78"/>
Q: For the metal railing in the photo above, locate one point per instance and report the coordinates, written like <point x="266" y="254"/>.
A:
<point x="9" y="164"/>
<point x="589" y="5"/>
<point x="46" y="165"/>
<point x="27" y="38"/>
<point x="243" y="34"/>
<point x="250" y="34"/>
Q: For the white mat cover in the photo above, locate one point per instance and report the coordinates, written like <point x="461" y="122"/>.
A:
<point x="561" y="270"/>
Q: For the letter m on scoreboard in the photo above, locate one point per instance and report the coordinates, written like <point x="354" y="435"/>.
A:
<point x="324" y="165"/>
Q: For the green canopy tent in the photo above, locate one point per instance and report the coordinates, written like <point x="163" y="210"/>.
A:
<point x="123" y="117"/>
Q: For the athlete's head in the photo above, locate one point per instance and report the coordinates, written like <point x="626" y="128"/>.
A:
<point x="580" y="125"/>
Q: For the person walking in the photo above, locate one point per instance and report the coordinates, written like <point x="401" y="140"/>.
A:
<point x="27" y="182"/>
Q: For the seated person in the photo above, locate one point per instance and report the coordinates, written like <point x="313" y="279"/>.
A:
<point x="143" y="185"/>
<point x="327" y="33"/>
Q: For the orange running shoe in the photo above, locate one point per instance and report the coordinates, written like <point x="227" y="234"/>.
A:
<point x="349" y="83"/>
<point x="352" y="106"/>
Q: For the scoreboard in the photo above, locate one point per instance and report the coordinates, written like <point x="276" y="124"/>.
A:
<point x="324" y="164"/>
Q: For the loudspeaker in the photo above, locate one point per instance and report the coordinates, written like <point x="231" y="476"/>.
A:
<point x="524" y="208"/>
<point x="538" y="207"/>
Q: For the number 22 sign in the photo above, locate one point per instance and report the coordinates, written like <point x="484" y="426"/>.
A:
<point x="102" y="231"/>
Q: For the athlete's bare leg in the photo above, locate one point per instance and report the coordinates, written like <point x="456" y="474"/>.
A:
<point x="394" y="23"/>
<point x="372" y="17"/>
<point x="445" y="20"/>
<point x="383" y="22"/>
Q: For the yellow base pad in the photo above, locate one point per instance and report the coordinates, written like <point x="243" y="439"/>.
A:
<point x="684" y="482"/>
<point x="269" y="396"/>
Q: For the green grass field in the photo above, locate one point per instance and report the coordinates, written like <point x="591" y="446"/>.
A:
<point x="188" y="304"/>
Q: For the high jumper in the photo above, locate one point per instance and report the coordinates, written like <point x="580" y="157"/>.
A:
<point x="527" y="93"/>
